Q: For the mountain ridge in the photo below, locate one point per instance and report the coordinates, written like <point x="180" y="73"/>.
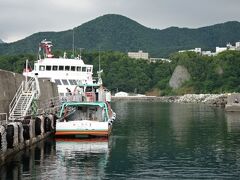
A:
<point x="119" y="33"/>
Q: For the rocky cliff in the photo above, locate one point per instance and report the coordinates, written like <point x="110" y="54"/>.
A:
<point x="179" y="76"/>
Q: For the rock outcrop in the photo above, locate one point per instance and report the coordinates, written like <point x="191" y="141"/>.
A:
<point x="179" y="76"/>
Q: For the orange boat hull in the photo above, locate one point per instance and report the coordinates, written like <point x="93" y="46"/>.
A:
<point x="93" y="133"/>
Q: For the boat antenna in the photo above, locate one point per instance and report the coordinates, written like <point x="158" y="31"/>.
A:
<point x="99" y="69"/>
<point x="73" y="43"/>
<point x="99" y="60"/>
<point x="81" y="52"/>
<point x="26" y="77"/>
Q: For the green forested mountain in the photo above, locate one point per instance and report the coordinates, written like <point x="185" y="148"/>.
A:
<point x="119" y="33"/>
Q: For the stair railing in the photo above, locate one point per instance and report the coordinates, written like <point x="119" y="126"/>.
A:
<point x="29" y="90"/>
<point x="15" y="99"/>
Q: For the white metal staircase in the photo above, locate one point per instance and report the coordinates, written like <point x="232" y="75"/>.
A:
<point x="22" y="101"/>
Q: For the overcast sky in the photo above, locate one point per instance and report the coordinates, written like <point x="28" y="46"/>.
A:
<point x="21" y="18"/>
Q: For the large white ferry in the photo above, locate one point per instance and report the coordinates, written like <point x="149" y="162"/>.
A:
<point x="65" y="72"/>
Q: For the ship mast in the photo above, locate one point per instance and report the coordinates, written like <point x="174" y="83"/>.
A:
<point x="99" y="69"/>
<point x="73" y="43"/>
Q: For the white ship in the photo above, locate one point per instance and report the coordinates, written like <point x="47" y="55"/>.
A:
<point x="86" y="111"/>
<point x="65" y="72"/>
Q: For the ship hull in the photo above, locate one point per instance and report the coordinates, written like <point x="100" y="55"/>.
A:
<point x="83" y="128"/>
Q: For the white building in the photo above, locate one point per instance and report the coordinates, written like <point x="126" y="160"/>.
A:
<point x="138" y="55"/>
<point x="220" y="49"/>
<point x="237" y="45"/>
<point x="121" y="94"/>
<point x="208" y="53"/>
<point x="153" y="60"/>
<point x="196" y="50"/>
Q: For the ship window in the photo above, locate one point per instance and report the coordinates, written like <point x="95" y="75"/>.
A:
<point x="78" y="68"/>
<point x="67" y="68"/>
<point x="88" y="89"/>
<point x="48" y="68"/>
<point x="75" y="82"/>
<point x="88" y="69"/>
<point x="64" y="81"/>
<point x="72" y="82"/>
<point x="54" y="68"/>
<point x="73" y="68"/>
<point x="60" y="68"/>
<point x="83" y="69"/>
<point x="58" y="82"/>
<point x="41" y="68"/>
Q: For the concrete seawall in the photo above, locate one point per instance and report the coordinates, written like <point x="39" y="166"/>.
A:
<point x="10" y="82"/>
<point x="15" y="136"/>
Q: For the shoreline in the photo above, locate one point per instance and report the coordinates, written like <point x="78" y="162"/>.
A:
<point x="218" y="100"/>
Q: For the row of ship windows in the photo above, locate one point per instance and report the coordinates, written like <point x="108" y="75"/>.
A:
<point x="65" y="68"/>
<point x="65" y="82"/>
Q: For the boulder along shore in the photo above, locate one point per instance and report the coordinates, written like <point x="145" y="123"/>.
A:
<point x="219" y="100"/>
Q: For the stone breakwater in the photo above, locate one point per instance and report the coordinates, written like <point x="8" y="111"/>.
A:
<point x="210" y="99"/>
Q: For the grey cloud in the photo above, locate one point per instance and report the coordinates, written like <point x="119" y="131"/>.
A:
<point x="19" y="19"/>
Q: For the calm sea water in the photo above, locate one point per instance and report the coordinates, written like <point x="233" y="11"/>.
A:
<point x="149" y="141"/>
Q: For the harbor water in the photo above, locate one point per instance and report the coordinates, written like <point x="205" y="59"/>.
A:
<point x="149" y="140"/>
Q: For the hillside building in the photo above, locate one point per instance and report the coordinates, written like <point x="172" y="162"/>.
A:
<point x="196" y="50"/>
<point x="218" y="49"/>
<point x="138" y="55"/>
<point x="154" y="60"/>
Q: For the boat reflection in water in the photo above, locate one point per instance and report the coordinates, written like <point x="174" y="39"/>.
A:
<point x="93" y="145"/>
<point x="60" y="159"/>
<point x="82" y="157"/>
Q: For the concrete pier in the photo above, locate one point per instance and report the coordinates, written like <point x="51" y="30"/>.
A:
<point x="16" y="136"/>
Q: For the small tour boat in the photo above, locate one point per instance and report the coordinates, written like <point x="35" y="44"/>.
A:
<point x="87" y="112"/>
<point x="80" y="119"/>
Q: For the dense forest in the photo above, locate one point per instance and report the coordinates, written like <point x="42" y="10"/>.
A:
<point x="119" y="33"/>
<point x="216" y="74"/>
